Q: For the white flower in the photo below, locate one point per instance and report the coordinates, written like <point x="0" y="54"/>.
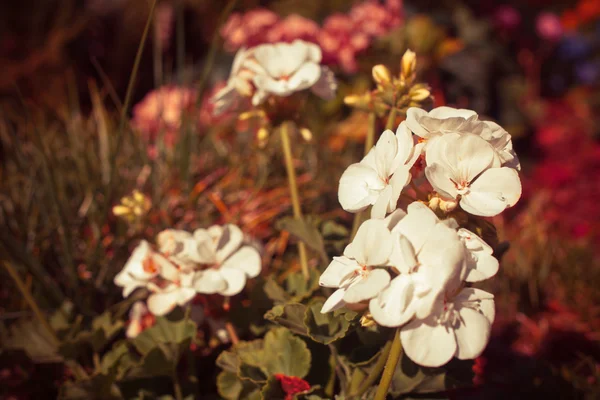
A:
<point x="481" y="264"/>
<point x="459" y="327"/>
<point x="354" y="274"/>
<point x="179" y="246"/>
<point x="501" y="141"/>
<point x="175" y="288"/>
<point x="380" y="177"/>
<point x="143" y="265"/>
<point x="288" y="68"/>
<point x="227" y="262"/>
<point x="440" y="121"/>
<point x="239" y="83"/>
<point x="466" y="168"/>
<point x="431" y="260"/>
<point x="136" y="319"/>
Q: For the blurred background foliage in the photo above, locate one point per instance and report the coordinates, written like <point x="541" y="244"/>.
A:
<point x="65" y="66"/>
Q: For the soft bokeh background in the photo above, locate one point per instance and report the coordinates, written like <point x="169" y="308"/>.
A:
<point x="533" y="65"/>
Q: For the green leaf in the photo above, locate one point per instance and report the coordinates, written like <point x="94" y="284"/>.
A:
<point x="251" y="373"/>
<point x="31" y="337"/>
<point x="412" y="378"/>
<point x="229" y="385"/>
<point x="272" y="390"/>
<point x="228" y="361"/>
<point x="251" y="352"/>
<point x="304" y="229"/>
<point x="275" y="292"/>
<point x="299" y="287"/>
<point x="285" y="354"/>
<point x="98" y="387"/>
<point x="112" y="358"/>
<point x="289" y="315"/>
<point x="328" y="327"/>
<point x="104" y="330"/>
<point x="60" y="320"/>
<point x="160" y="361"/>
<point x="165" y="331"/>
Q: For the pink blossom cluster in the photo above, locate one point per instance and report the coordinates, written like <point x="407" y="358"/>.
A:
<point x="341" y="38"/>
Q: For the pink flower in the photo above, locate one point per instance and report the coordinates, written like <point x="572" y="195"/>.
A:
<point x="160" y="113"/>
<point x="548" y="26"/>
<point x="248" y="29"/>
<point x="291" y="28"/>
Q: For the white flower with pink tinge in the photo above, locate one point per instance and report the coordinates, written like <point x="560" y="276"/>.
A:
<point x="355" y="274"/>
<point x="225" y="261"/>
<point x="466" y="169"/>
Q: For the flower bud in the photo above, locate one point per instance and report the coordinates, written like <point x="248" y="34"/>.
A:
<point x="381" y="74"/>
<point x="262" y="135"/>
<point x="408" y="64"/>
<point x="306" y="134"/>
<point x="448" y="206"/>
<point x="419" y="94"/>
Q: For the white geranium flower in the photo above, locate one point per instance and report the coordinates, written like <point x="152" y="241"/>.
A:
<point x="459" y="326"/>
<point x="481" y="264"/>
<point x="227" y="262"/>
<point x="465" y="168"/>
<point x="175" y="288"/>
<point x="289" y="68"/>
<point x="143" y="265"/>
<point x="431" y="260"/>
<point x="354" y="274"/>
<point x="179" y="246"/>
<point x="380" y="177"/>
<point x="440" y="121"/>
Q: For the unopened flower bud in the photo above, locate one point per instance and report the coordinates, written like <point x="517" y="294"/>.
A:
<point x="381" y="74"/>
<point x="306" y="134"/>
<point x="408" y="64"/>
<point x="448" y="206"/>
<point x="419" y="94"/>
<point x="367" y="320"/>
<point x="352" y="100"/>
<point x="434" y="203"/>
<point x="262" y="135"/>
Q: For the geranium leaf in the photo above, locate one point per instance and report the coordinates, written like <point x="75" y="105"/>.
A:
<point x="325" y="328"/>
<point x="290" y="315"/>
<point x="306" y="230"/>
<point x="285" y="354"/>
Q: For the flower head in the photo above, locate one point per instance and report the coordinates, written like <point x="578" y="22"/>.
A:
<point x="380" y="177"/>
<point x="355" y="273"/>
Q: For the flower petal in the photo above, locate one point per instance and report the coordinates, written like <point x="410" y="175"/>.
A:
<point x="372" y="244"/>
<point x="367" y="287"/>
<point x="209" y="281"/>
<point x="359" y="187"/>
<point x="385" y="153"/>
<point x="335" y="301"/>
<point x="406" y="143"/>
<point x="306" y="76"/>
<point x="394" y="307"/>
<point x="413" y="115"/>
<point x="236" y="280"/>
<point x="247" y="259"/>
<point x="472" y="334"/>
<point x="441" y="179"/>
<point x="229" y="240"/>
<point x="326" y="86"/>
<point x="338" y="270"/>
<point x="416" y="225"/>
<point x="492" y="192"/>
<point x="484" y="300"/>
<point x="427" y="343"/>
<point x="162" y="303"/>
<point x="382" y="203"/>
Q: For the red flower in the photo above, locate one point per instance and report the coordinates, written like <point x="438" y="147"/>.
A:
<point x="292" y="385"/>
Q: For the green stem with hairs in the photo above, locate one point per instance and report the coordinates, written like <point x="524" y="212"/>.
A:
<point x="291" y="173"/>
<point x="390" y="367"/>
<point x="374" y="374"/>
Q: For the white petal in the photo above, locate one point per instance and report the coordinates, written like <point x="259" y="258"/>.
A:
<point x="403" y="256"/>
<point x="413" y="115"/>
<point x="398" y="182"/>
<point x="472" y="334"/>
<point x="393" y="307"/>
<point x="395" y="217"/>
<point x="359" y="187"/>
<point x="491" y="193"/>
<point x="417" y="224"/>
<point x="305" y="77"/>
<point x="228" y="242"/>
<point x="338" y="270"/>
<point x="205" y="247"/>
<point x="372" y="244"/>
<point x="268" y="84"/>
<point x="209" y="281"/>
<point x="368" y="287"/>
<point x="246" y="259"/>
<point x="161" y="303"/>
<point x="335" y="301"/>
<point x="427" y="343"/>
<point x="385" y="153"/>
<point x="444" y="112"/>
<point x="382" y="203"/>
<point x="326" y="86"/>
<point x="441" y="179"/>
<point x="484" y="300"/>
<point x="236" y="280"/>
<point x="470" y="155"/>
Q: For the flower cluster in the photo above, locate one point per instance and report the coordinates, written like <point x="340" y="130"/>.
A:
<point x="342" y="36"/>
<point x="411" y="268"/>
<point x="468" y="162"/>
<point x="207" y="261"/>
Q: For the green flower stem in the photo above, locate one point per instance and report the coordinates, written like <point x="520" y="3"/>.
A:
<point x="390" y="367"/>
<point x="78" y="371"/>
<point x="374" y="374"/>
<point x="391" y="119"/>
<point x="177" y="386"/>
<point x="358" y="217"/>
<point x="291" y="173"/>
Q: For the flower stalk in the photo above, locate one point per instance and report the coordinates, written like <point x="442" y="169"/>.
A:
<point x="293" y="185"/>
<point x="390" y="367"/>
